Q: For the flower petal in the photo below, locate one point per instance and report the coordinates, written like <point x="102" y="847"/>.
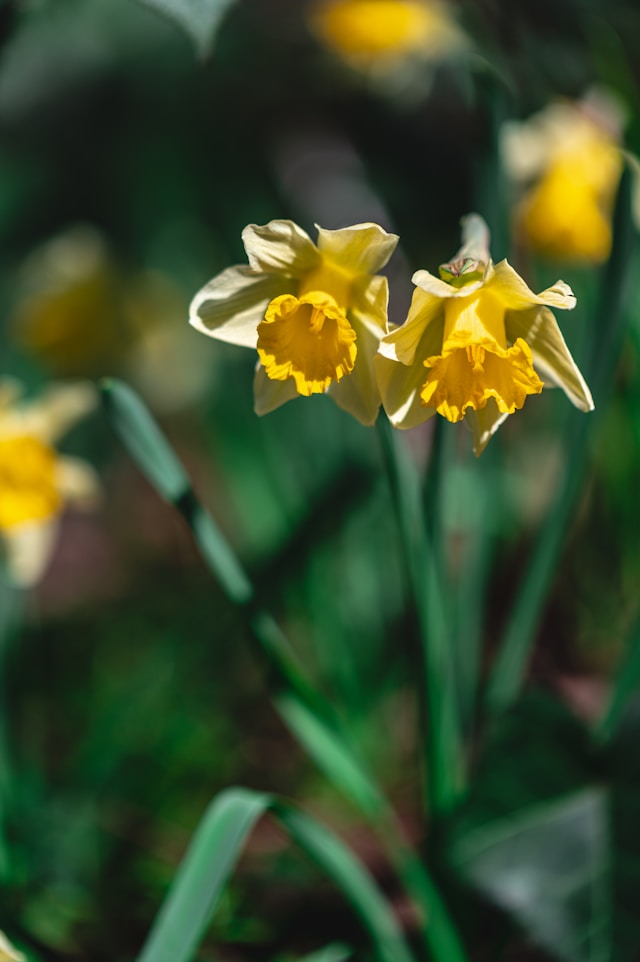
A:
<point x="483" y="424"/>
<point x="268" y="394"/>
<point x="515" y="294"/>
<point x="369" y="303"/>
<point x="52" y="414"/>
<point x="77" y="482"/>
<point x="400" y="384"/>
<point x="551" y="356"/>
<point x="279" y="247"/>
<point x="233" y="303"/>
<point x="28" y="548"/>
<point x="401" y="344"/>
<point x="361" y="249"/>
<point x="358" y="394"/>
<point x="7" y="951"/>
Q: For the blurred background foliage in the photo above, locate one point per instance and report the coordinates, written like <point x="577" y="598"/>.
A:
<point x="136" y="141"/>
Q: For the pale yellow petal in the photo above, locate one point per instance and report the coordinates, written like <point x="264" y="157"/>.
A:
<point x="551" y="356"/>
<point x="361" y="249"/>
<point x="358" y="394"/>
<point x="51" y="415"/>
<point x="7" y="951"/>
<point x="269" y="394"/>
<point x="27" y="549"/>
<point x="401" y="343"/>
<point x="369" y="303"/>
<point x="516" y="295"/>
<point x="233" y="303"/>
<point x="484" y="423"/>
<point x="77" y="482"/>
<point x="280" y="247"/>
<point x="400" y="384"/>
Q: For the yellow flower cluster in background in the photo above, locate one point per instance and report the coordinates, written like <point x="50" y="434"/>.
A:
<point x="567" y="161"/>
<point x="36" y="482"/>
<point x="476" y="343"/>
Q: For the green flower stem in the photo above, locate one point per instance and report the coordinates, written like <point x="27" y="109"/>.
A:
<point x="608" y="333"/>
<point x="439" y="714"/>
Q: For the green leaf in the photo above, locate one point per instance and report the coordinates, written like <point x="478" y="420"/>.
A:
<point x="144" y="440"/>
<point x="336" y="952"/>
<point x="200" y="19"/>
<point x="626" y="684"/>
<point x="549" y="868"/>
<point x="213" y="854"/>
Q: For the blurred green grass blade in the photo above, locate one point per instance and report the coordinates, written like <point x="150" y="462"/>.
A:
<point x="607" y="335"/>
<point x="626" y="684"/>
<point x="336" y="952"/>
<point x="210" y="859"/>
<point x="330" y="754"/>
<point x="337" y="861"/>
<point x="439" y="709"/>
<point x="156" y="459"/>
<point x="213" y="853"/>
<point x="199" y="19"/>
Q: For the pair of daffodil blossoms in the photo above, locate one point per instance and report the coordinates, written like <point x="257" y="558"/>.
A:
<point x="35" y="481"/>
<point x="476" y="342"/>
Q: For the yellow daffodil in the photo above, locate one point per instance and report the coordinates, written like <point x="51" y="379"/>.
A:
<point x="477" y="341"/>
<point x="378" y="36"/>
<point x="315" y="314"/>
<point x="35" y="481"/>
<point x="569" y="158"/>
<point x="71" y="316"/>
<point x="7" y="951"/>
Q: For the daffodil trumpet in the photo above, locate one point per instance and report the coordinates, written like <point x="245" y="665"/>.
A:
<point x="476" y="343"/>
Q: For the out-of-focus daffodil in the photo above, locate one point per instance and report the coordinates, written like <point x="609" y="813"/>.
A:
<point x="71" y="316"/>
<point x="315" y="314"/>
<point x="35" y="481"/>
<point x="378" y="36"/>
<point x="477" y="341"/>
<point x="569" y="158"/>
<point x="7" y="951"/>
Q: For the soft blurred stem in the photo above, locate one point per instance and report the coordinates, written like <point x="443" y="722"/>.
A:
<point x="11" y="601"/>
<point x="302" y="709"/>
<point x="608" y="332"/>
<point x="444" y="756"/>
<point x="626" y="684"/>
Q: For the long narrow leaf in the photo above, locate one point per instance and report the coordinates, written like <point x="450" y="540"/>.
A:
<point x="626" y="684"/>
<point x="213" y="854"/>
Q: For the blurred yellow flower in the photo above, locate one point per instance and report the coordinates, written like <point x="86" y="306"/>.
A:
<point x="379" y="35"/>
<point x="570" y="159"/>
<point x="35" y="481"/>
<point x="7" y="952"/>
<point x="315" y="314"/>
<point x="71" y="316"/>
<point x="476" y="343"/>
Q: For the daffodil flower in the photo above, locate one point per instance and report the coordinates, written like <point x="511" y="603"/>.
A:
<point x="476" y="343"/>
<point x="569" y="161"/>
<point x="378" y="36"/>
<point x="8" y="953"/>
<point x="35" y="481"/>
<point x="315" y="314"/>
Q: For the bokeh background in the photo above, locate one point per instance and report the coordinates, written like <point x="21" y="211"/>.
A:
<point x="130" y="160"/>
